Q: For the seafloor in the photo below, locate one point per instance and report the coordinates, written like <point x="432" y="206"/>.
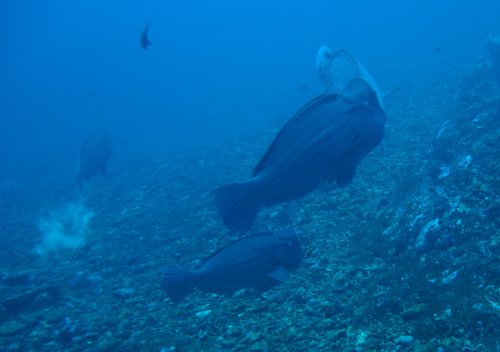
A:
<point x="404" y="259"/>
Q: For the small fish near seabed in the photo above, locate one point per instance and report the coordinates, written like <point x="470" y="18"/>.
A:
<point x="94" y="157"/>
<point x="323" y="142"/>
<point x="259" y="262"/>
<point x="144" y="35"/>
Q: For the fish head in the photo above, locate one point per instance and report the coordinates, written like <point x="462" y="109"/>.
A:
<point x="366" y="117"/>
<point x="324" y="60"/>
<point x="337" y="68"/>
<point x="288" y="252"/>
<point x="359" y="91"/>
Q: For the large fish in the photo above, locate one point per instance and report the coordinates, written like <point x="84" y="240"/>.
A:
<point x="323" y="142"/>
<point x="94" y="156"/>
<point x="259" y="261"/>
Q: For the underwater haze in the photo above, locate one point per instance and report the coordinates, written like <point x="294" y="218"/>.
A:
<point x="119" y="119"/>
<point x="215" y="70"/>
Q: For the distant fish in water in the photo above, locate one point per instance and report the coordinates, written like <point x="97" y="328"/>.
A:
<point x="94" y="158"/>
<point x="493" y="47"/>
<point x="259" y="261"/>
<point x="323" y="142"/>
<point x="144" y="35"/>
<point x="437" y="50"/>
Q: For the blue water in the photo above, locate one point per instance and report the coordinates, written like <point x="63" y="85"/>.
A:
<point x="215" y="69"/>
<point x="196" y="110"/>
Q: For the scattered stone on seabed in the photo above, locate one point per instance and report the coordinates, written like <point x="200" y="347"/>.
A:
<point x="404" y="340"/>
<point x="423" y="237"/>
<point x="444" y="171"/>
<point x="414" y="311"/>
<point x="260" y="346"/>
<point x="253" y="336"/>
<point x="465" y="161"/>
<point x="124" y="292"/>
<point x="168" y="349"/>
<point x="20" y="325"/>
<point x="203" y="313"/>
<point x="12" y="327"/>
<point x="226" y="344"/>
<point x="107" y="343"/>
<point x="449" y="276"/>
<point x="359" y="336"/>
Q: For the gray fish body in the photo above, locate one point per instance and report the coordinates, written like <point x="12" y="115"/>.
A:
<point x="94" y="157"/>
<point x="259" y="261"/>
<point x="323" y="142"/>
<point x="312" y="150"/>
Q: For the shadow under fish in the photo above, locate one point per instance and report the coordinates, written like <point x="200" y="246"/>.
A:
<point x="259" y="261"/>
<point x="94" y="157"/>
<point x="323" y="142"/>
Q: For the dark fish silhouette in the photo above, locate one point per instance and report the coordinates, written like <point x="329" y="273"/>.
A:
<point x="144" y="35"/>
<point x="493" y="47"/>
<point x="259" y="261"/>
<point x="94" y="157"/>
<point x="323" y="142"/>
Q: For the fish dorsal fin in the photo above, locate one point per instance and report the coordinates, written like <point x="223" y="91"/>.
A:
<point x="358" y="90"/>
<point x="219" y="250"/>
<point x="336" y="68"/>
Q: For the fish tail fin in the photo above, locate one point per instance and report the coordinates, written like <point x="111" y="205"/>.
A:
<point x="177" y="283"/>
<point x="238" y="205"/>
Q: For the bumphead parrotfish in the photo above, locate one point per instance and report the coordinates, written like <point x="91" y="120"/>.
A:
<point x="94" y="157"/>
<point x="259" y="261"/>
<point x="323" y="142"/>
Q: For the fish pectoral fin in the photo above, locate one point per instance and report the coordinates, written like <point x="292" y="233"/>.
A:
<point x="280" y="274"/>
<point x="347" y="177"/>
